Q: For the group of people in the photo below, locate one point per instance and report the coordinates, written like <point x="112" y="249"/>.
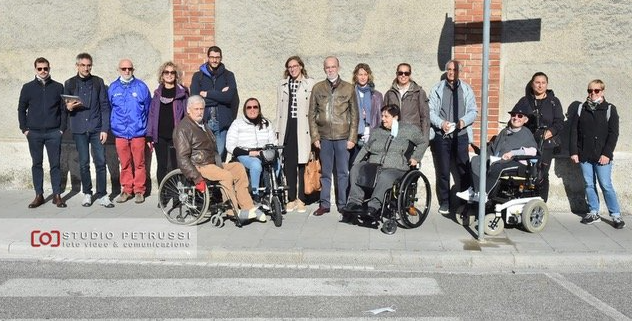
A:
<point x="347" y="124"/>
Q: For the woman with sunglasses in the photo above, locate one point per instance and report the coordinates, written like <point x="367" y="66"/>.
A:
<point x="165" y="112"/>
<point x="252" y="131"/>
<point x="412" y="101"/>
<point x="546" y="123"/>
<point x="594" y="135"/>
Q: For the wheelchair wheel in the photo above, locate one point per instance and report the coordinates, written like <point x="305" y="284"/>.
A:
<point x="277" y="211"/>
<point x="188" y="206"/>
<point x="413" y="200"/>
<point x="534" y="216"/>
<point x="389" y="227"/>
<point x="464" y="216"/>
<point x="493" y="225"/>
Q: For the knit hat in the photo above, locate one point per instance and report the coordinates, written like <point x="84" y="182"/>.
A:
<point x="522" y="107"/>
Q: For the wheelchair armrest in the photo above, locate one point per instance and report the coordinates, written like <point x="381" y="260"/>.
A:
<point x="526" y="157"/>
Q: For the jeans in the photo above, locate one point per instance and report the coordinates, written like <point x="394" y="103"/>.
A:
<point x="334" y="151"/>
<point x="603" y="174"/>
<point x="82" y="141"/>
<point x="51" y="138"/>
<point x="253" y="164"/>
<point x="220" y="137"/>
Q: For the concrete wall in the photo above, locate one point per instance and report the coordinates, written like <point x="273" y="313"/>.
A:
<point x="59" y="30"/>
<point x="579" y="41"/>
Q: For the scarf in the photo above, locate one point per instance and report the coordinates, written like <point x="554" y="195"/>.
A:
<point x="592" y="105"/>
<point x="364" y="104"/>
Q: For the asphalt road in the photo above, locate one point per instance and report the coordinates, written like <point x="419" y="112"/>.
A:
<point x="62" y="289"/>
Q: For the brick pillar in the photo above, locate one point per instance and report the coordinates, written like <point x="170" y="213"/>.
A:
<point x="468" y="48"/>
<point x="193" y="33"/>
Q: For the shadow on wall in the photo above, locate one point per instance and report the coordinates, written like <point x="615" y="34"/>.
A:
<point x="569" y="172"/>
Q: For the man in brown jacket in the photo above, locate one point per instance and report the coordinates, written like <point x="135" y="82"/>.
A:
<point x="333" y="126"/>
<point x="196" y="153"/>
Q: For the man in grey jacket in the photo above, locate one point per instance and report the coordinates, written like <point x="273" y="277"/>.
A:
<point x="452" y="112"/>
<point x="333" y="126"/>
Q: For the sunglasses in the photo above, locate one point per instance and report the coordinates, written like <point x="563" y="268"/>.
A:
<point x="252" y="107"/>
<point x="127" y="68"/>
<point x="42" y="68"/>
<point x="403" y="73"/>
<point x="517" y="115"/>
<point x="168" y="72"/>
<point x="590" y="91"/>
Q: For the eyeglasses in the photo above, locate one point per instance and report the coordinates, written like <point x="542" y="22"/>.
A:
<point x="590" y="91"/>
<point x="214" y="57"/>
<point x="42" y="68"/>
<point x="127" y="68"/>
<point x="169" y="72"/>
<point x="517" y="115"/>
<point x="403" y="73"/>
<point x="252" y="107"/>
<point x="85" y="65"/>
<point x="293" y="67"/>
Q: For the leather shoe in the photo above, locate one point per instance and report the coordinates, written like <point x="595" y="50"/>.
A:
<point x="57" y="200"/>
<point x="373" y="213"/>
<point x="39" y="200"/>
<point x="320" y="211"/>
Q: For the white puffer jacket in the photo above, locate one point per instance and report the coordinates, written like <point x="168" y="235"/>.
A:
<point x="244" y="134"/>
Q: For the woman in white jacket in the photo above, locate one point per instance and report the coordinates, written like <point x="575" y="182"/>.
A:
<point x="252" y="131"/>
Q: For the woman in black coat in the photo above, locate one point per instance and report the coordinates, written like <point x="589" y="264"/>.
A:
<point x="545" y="123"/>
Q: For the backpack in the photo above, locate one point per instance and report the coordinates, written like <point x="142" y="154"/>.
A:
<point x="579" y="111"/>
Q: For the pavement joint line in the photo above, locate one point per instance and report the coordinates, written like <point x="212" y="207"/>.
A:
<point x="585" y="296"/>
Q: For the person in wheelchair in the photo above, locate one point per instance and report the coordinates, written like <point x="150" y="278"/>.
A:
<point x="198" y="159"/>
<point x="247" y="134"/>
<point x="390" y="152"/>
<point x="513" y="140"/>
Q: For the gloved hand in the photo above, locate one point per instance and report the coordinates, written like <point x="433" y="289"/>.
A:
<point x="201" y="186"/>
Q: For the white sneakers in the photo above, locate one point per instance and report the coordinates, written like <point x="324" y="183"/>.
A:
<point x="87" y="200"/>
<point x="468" y="195"/>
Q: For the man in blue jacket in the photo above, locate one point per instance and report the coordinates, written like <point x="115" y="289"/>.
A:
<point x="89" y="124"/>
<point x="452" y="112"/>
<point x="130" y="99"/>
<point x="42" y="120"/>
<point x="218" y="87"/>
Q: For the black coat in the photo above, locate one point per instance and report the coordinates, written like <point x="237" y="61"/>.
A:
<point x="593" y="134"/>
<point x="548" y="114"/>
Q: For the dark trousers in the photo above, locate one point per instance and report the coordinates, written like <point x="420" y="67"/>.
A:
<point x="294" y="174"/>
<point x="493" y="172"/>
<point x="384" y="182"/>
<point x="165" y="158"/>
<point x="334" y="151"/>
<point x="70" y="163"/>
<point x="445" y="153"/>
<point x="51" y="139"/>
<point x="545" y="159"/>
<point x="86" y="142"/>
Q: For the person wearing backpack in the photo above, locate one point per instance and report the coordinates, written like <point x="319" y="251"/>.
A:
<point x="594" y="135"/>
<point x="546" y="123"/>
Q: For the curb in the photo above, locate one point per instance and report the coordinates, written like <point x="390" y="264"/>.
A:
<point x="343" y="259"/>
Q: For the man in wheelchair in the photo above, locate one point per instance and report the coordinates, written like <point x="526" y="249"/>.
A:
<point x="386" y="157"/>
<point x="513" y="141"/>
<point x="198" y="159"/>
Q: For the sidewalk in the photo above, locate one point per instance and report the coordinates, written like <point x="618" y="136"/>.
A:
<point x="308" y="240"/>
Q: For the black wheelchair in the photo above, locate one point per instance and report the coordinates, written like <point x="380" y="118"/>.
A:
<point x="272" y="193"/>
<point x="182" y="204"/>
<point x="406" y="204"/>
<point x="514" y="200"/>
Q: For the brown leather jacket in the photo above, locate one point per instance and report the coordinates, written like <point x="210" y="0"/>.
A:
<point x="333" y="115"/>
<point x="194" y="147"/>
<point x="413" y="106"/>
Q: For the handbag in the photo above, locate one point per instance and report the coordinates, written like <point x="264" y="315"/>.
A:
<point x="311" y="177"/>
<point x="368" y="175"/>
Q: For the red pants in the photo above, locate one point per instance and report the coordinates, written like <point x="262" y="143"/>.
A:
<point x="131" y="152"/>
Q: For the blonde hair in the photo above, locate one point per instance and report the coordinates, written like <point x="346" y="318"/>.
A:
<point x="175" y="67"/>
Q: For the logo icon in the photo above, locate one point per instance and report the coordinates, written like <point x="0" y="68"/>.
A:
<point x="45" y="238"/>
